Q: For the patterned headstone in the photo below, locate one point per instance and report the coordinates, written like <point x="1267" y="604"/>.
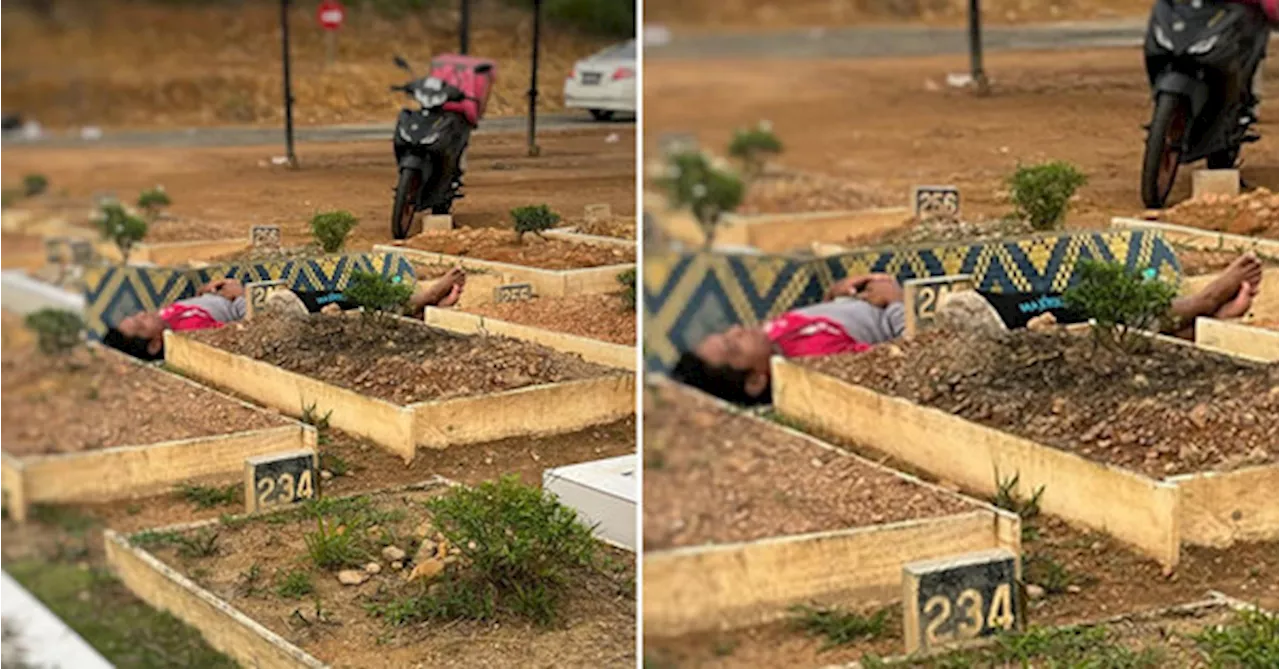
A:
<point x="264" y="237"/>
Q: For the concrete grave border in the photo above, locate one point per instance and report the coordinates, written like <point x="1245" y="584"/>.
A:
<point x="591" y="350"/>
<point x="1204" y="240"/>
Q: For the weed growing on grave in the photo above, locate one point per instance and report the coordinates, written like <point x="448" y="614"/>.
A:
<point x="1042" y="570"/>
<point x="753" y="147"/>
<point x="534" y="218"/>
<point x="628" y="280"/>
<point x="378" y="295"/>
<point x="693" y="182"/>
<point x="57" y="331"/>
<point x="1042" y="193"/>
<point x="836" y="626"/>
<point x="207" y="497"/>
<point x="330" y="228"/>
<point x="34" y="184"/>
<point x="1122" y="303"/>
<point x="66" y="518"/>
<point x="334" y="463"/>
<point x="154" y="539"/>
<point x="1248" y="642"/>
<point x="120" y="228"/>
<point x="311" y="416"/>
<point x="1007" y="498"/>
<point x="295" y="585"/>
<point x="202" y="543"/>
<point x="1074" y="647"/>
<point x="334" y="545"/>
<point x="152" y="202"/>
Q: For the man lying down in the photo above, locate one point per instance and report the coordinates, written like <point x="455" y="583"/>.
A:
<point x="861" y="311"/>
<point x="223" y="301"/>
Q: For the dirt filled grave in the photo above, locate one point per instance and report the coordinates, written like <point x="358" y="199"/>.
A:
<point x="93" y="398"/>
<point x="531" y="250"/>
<point x="715" y="477"/>
<point x="295" y="572"/>
<point x="399" y="360"/>
<point x="1171" y="410"/>
<point x="606" y="317"/>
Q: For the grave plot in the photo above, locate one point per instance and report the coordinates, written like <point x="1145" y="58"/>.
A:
<point x="553" y="265"/>
<point x="744" y="519"/>
<point x="92" y="424"/>
<point x="1176" y="445"/>
<point x="372" y="581"/>
<point x="402" y="383"/>
<point x="565" y="324"/>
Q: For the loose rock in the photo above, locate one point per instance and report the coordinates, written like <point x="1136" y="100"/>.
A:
<point x="1034" y="591"/>
<point x="393" y="554"/>
<point x="352" y="577"/>
<point x="372" y="568"/>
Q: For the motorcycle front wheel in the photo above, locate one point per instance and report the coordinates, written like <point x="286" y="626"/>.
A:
<point x="1164" y="149"/>
<point x="406" y="204"/>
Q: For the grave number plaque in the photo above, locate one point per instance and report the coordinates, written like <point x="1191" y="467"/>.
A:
<point x="921" y="298"/>
<point x="958" y="599"/>
<point x="936" y="201"/>
<point x="257" y="293"/>
<point x="264" y="236"/>
<point x="280" y="479"/>
<point x="513" y="292"/>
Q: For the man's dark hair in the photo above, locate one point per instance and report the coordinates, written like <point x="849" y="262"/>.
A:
<point x="134" y="346"/>
<point x="723" y="381"/>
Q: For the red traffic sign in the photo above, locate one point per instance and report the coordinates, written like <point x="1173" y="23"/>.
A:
<point x="330" y="14"/>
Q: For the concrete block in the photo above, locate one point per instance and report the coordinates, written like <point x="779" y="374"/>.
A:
<point x="603" y="492"/>
<point x="1215" y="182"/>
<point x="596" y="213"/>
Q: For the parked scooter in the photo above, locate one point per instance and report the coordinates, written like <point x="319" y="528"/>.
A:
<point x="430" y="142"/>
<point x="1200" y="55"/>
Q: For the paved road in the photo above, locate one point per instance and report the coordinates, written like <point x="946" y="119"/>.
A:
<point x="233" y="136"/>
<point x="898" y="41"/>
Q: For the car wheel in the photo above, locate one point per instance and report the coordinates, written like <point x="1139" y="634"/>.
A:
<point x="602" y="114"/>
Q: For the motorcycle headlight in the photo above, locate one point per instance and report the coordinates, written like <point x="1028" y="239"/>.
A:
<point x="1203" y="46"/>
<point x="1163" y="39"/>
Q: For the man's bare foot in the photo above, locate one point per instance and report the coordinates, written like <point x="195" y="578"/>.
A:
<point x="1240" y="304"/>
<point x="439" y="289"/>
<point x="1224" y="288"/>
<point x="452" y="298"/>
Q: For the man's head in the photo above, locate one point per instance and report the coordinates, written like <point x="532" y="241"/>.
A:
<point x="140" y="335"/>
<point x="732" y="365"/>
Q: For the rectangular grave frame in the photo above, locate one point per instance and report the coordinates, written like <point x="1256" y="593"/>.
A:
<point x="1203" y="240"/>
<point x="1238" y="339"/>
<point x="713" y="586"/>
<point x="137" y="470"/>
<point x="402" y="429"/>
<point x="174" y="254"/>
<point x="591" y="350"/>
<point x="777" y="233"/>
<point x="546" y="282"/>
<point x="222" y="625"/>
<point x="1154" y="516"/>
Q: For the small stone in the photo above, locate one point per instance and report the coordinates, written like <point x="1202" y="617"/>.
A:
<point x="352" y="577"/>
<point x="426" y="551"/>
<point x="1073" y="589"/>
<point x="816" y="463"/>
<point x="1096" y="547"/>
<point x="423" y="530"/>
<point x="372" y="568"/>
<point x="1059" y="405"/>
<point x="397" y="565"/>
<point x="1141" y="381"/>
<point x="392" y="554"/>
<point x="1199" y="415"/>
<point x="1034" y="591"/>
<point x="1045" y="321"/>
<point x="894" y="351"/>
<point x="325" y="475"/>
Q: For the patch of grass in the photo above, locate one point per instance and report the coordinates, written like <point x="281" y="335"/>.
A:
<point x="132" y="635"/>
<point x="1248" y="642"/>
<point x="312" y="416"/>
<point x="202" y="543"/>
<point x="1043" y="570"/>
<point x="295" y="585"/>
<point x="334" y="546"/>
<point x="251" y="580"/>
<point x="233" y="522"/>
<point x="207" y="497"/>
<point x="836" y="626"/>
<point x="1028" y="510"/>
<point x="334" y="464"/>
<point x="154" y="539"/>
<point x="66" y="518"/>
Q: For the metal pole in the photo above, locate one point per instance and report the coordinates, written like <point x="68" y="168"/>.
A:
<point x="288" y="84"/>
<point x="975" y="47"/>
<point x="464" y="27"/>
<point x="533" y="79"/>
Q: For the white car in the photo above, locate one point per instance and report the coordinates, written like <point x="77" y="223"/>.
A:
<point x="604" y="84"/>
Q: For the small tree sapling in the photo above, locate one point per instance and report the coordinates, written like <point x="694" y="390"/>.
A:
<point x="628" y="280"/>
<point x="534" y="218"/>
<point x="121" y="228"/>
<point x="709" y="192"/>
<point x="753" y="147"/>
<point x="34" y="184"/>
<point x="1121" y="302"/>
<point x="152" y="202"/>
<point x="378" y="295"/>
<point x="57" y="331"/>
<point x="330" y="228"/>
<point x="1042" y="193"/>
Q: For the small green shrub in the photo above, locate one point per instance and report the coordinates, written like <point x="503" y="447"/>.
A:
<point x="34" y="184"/>
<point x="121" y="228"/>
<point x="153" y="201"/>
<point x="753" y="147"/>
<point x="1043" y="570"/>
<point x="1042" y="193"/>
<point x="57" y="331"/>
<point x="154" y="538"/>
<point x="331" y="228"/>
<point x="377" y="294"/>
<point x="334" y="464"/>
<point x="1248" y="642"/>
<point x="203" y="543"/>
<point x="334" y="545"/>
<point x="207" y="497"/>
<point x="533" y="218"/>
<point x="836" y="626"/>
<point x="628" y="281"/>
<point x="1122" y="303"/>
<point x="1028" y="510"/>
<point x="709" y="192"/>
<point x="295" y="585"/>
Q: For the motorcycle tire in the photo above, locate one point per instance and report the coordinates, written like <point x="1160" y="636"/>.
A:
<point x="1163" y="152"/>
<point x="406" y="203"/>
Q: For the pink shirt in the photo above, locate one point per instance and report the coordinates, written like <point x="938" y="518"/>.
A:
<point x="798" y="336"/>
<point x="181" y="317"/>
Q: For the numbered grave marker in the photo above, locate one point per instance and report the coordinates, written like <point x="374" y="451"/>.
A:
<point x="281" y="479"/>
<point x="55" y="250"/>
<point x="264" y="236"/>
<point x="958" y="599"/>
<point x="81" y="251"/>
<point x="936" y="202"/>
<point x="513" y="292"/>
<point x="256" y="294"/>
<point x="921" y="298"/>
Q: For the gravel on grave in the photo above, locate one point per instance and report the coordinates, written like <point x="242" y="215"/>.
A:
<point x="400" y="361"/>
<point x="500" y="245"/>
<point x="711" y="477"/>
<point x="914" y="231"/>
<point x="268" y="254"/>
<point x="603" y="317"/>
<point x="1172" y="410"/>
<point x="92" y="399"/>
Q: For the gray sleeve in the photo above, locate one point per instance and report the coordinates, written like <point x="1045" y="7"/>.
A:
<point x="239" y="307"/>
<point x="893" y="320"/>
